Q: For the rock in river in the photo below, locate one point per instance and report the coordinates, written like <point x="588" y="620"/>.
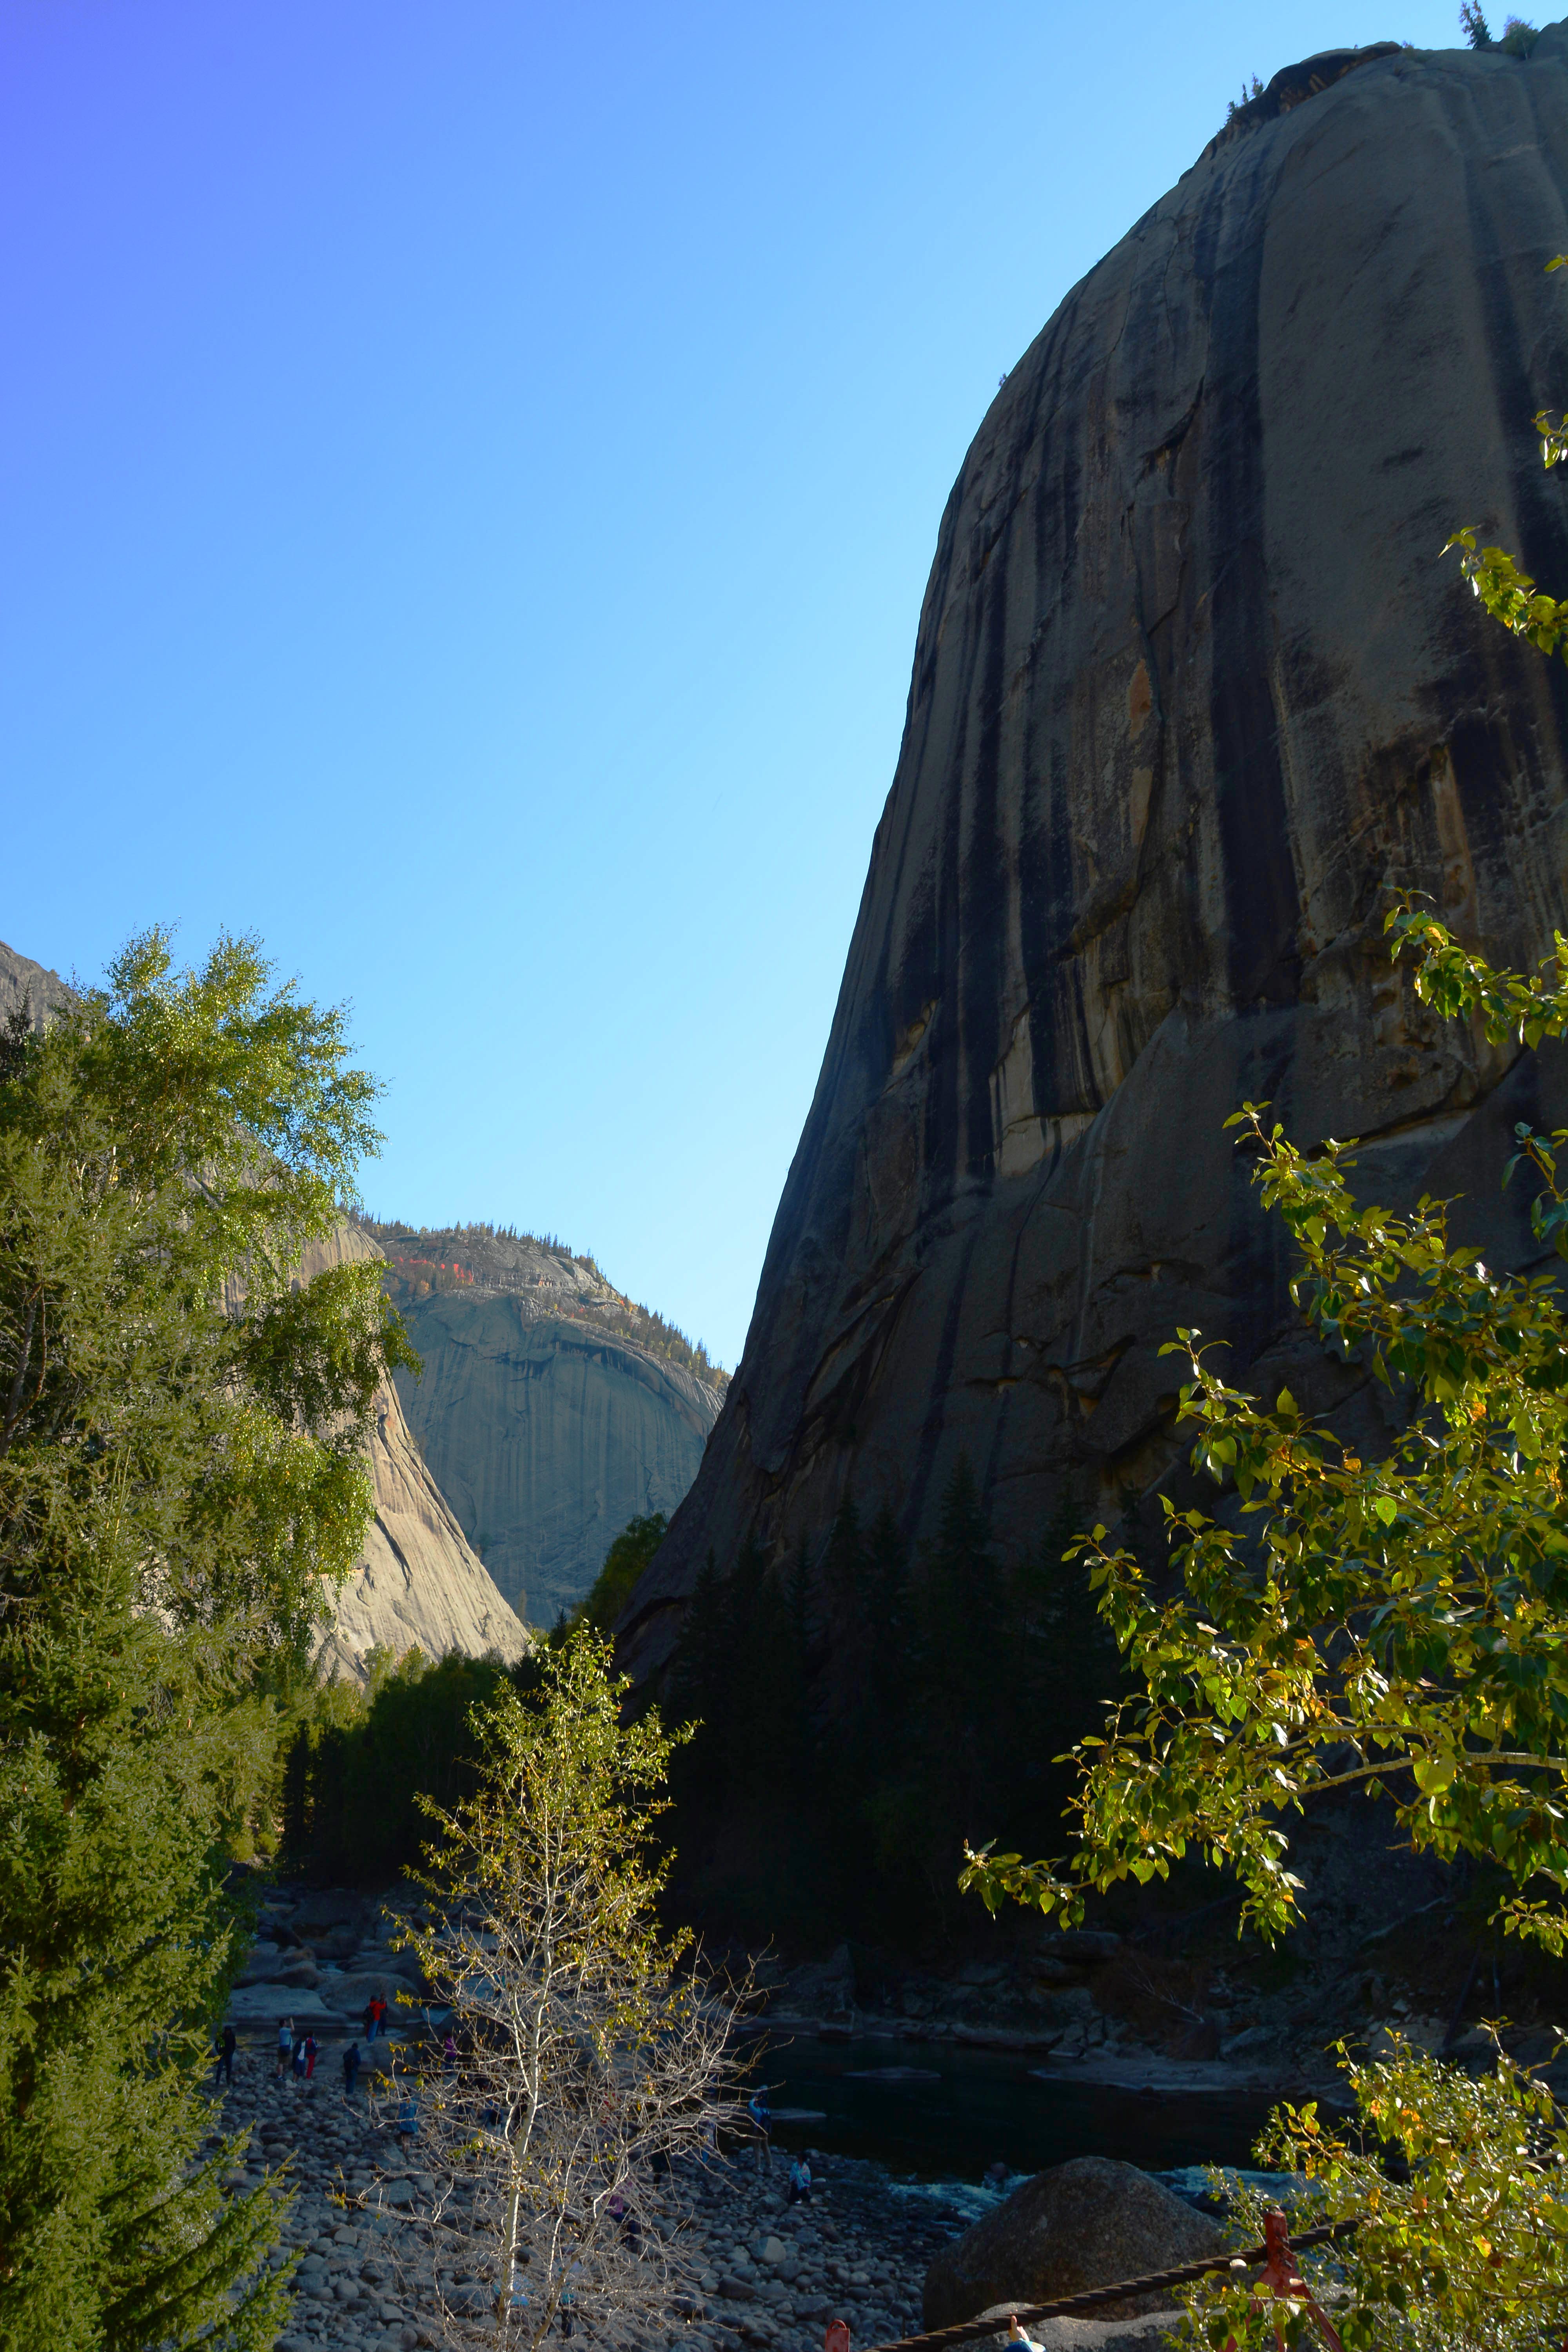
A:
<point x="1075" y="2226"/>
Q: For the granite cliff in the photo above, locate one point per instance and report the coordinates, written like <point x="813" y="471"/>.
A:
<point x="552" y="1408"/>
<point x="24" y="982"/>
<point x="1192" y="695"/>
<point x="418" y="1583"/>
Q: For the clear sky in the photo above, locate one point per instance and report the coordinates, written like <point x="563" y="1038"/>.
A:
<point x="467" y="477"/>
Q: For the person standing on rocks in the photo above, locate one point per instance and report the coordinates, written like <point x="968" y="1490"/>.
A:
<point x="285" y="2047"/>
<point x="761" y="2114"/>
<point x="351" y="2069"/>
<point x="226" y="2057"/>
<point x="800" y="2182"/>
<point x="368" y="2020"/>
<point x="313" y="2050"/>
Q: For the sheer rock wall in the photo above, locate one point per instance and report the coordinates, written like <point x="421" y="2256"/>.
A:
<point x="1192" y="694"/>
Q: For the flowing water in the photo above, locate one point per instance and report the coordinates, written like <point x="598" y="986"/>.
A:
<point x="928" y="2110"/>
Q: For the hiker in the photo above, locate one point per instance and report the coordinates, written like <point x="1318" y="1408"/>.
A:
<point x="225" y="2055"/>
<point x="800" y="2182"/>
<point x="408" y="2118"/>
<point x="757" y="2108"/>
<point x="378" y="2018"/>
<point x="1016" y="2335"/>
<point x="298" y="2057"/>
<point x="310" y="2055"/>
<point x="351" y="2069"/>
<point x="285" y="2047"/>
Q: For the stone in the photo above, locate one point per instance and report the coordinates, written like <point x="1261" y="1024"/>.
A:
<point x="326" y="1908"/>
<point x="1191" y="694"/>
<point x="1083" y="2224"/>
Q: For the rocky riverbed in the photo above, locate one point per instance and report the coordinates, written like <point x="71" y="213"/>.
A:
<point x="761" y="2272"/>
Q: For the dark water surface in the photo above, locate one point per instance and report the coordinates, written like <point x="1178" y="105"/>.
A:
<point x="983" y="2107"/>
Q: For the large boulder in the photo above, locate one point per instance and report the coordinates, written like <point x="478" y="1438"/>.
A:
<point x="1079" y="2225"/>
<point x="347" y="1994"/>
<point x="1192" y="695"/>
<point x="328" y="1907"/>
<point x="264" y="2004"/>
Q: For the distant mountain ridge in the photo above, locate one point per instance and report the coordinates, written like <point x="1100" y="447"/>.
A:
<point x="546" y="1277"/>
<point x="552" y="1408"/>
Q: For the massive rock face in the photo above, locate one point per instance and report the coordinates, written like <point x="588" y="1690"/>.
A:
<point x="548" y="1434"/>
<point x="552" y="1408"/>
<point x="418" y="1583"/>
<point x="1192" y="695"/>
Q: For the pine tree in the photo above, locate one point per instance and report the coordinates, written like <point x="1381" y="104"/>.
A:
<point x="178" y="1476"/>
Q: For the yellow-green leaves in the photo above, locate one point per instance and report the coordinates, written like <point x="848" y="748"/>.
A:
<point x="1460" y="2246"/>
<point x="1400" y="1625"/>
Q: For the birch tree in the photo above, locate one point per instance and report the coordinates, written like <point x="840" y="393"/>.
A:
<point x="588" y="2048"/>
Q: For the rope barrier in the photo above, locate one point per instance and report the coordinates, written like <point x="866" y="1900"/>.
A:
<point x="1073" y="2306"/>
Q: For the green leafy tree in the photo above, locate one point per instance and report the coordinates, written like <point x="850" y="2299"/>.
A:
<point x="1456" y="2187"/>
<point x="182" y="1478"/>
<point x="630" y="1553"/>
<point x="360" y="1762"/>
<point x="1399" y="1625"/>
<point x="591" y="2048"/>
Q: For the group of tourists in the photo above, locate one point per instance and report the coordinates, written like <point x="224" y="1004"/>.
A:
<point x="297" y="2053"/>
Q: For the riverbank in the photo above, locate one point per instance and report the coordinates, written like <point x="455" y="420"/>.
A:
<point x="754" y="2271"/>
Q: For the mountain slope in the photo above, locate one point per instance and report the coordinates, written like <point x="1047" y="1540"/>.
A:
<point x="552" y="1408"/>
<point x="419" y="1582"/>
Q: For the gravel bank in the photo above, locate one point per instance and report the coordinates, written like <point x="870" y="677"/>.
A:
<point x="761" y="2272"/>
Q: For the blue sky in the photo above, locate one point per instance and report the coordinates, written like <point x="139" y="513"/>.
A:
<point x="467" y="480"/>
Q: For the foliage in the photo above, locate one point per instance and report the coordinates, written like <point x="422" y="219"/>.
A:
<point x="180" y="1479"/>
<point x="1462" y="2247"/>
<point x="589" y="2050"/>
<point x="624" y="1561"/>
<point x="1518" y="37"/>
<point x="858" y="1715"/>
<point x="359" y="1762"/>
<point x="1249" y="90"/>
<point x="1509" y="594"/>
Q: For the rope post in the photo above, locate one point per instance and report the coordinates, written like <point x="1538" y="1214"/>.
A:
<point x="1281" y="2278"/>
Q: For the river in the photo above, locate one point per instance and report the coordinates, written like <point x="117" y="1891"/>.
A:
<point x="930" y="2111"/>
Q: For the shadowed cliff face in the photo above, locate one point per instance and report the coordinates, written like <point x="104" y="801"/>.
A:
<point x="1192" y="693"/>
